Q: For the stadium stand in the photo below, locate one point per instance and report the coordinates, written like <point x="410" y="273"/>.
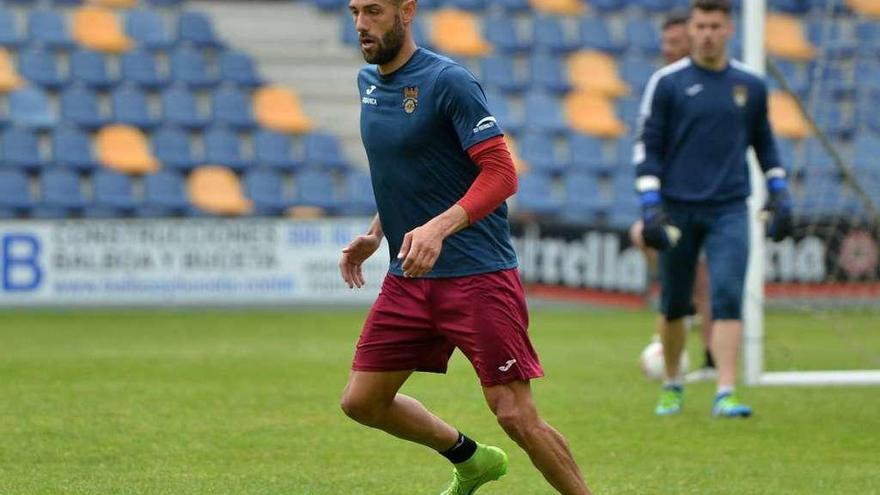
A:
<point x="217" y="190"/>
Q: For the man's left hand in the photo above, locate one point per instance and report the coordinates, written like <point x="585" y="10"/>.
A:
<point x="779" y="217"/>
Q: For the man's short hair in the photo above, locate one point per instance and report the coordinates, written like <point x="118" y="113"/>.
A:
<point x="678" y="18"/>
<point x="710" y="5"/>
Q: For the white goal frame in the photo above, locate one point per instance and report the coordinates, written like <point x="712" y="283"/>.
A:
<point x="753" y="20"/>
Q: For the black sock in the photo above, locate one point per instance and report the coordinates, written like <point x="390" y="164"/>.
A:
<point x="463" y="449"/>
<point x="710" y="363"/>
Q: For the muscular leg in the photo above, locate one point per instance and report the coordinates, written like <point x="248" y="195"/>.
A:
<point x="371" y="398"/>
<point x="515" y="410"/>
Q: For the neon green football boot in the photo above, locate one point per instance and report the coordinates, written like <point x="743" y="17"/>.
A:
<point x="487" y="464"/>
<point x="671" y="400"/>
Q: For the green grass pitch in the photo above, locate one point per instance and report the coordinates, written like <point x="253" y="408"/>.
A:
<point x="122" y="402"/>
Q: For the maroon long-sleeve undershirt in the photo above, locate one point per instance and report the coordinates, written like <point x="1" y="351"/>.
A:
<point x="495" y="182"/>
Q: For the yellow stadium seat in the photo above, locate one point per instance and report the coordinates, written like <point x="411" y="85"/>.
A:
<point x="115" y="4"/>
<point x="125" y="149"/>
<point x="558" y="7"/>
<point x="217" y="190"/>
<point x="867" y="8"/>
<point x="279" y="109"/>
<point x="786" y="117"/>
<point x="590" y="70"/>
<point x="9" y="78"/>
<point x="592" y="113"/>
<point x="457" y="32"/>
<point x="305" y="212"/>
<point x="99" y="29"/>
<point x="785" y="38"/>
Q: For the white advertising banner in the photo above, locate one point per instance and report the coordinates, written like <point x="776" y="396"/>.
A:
<point x="180" y="262"/>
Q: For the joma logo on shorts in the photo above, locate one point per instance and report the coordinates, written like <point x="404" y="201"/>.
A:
<point x="507" y="365"/>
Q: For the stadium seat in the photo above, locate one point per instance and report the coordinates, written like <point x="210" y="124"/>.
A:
<point x="549" y="34"/>
<point x="15" y="192"/>
<point x="643" y="36"/>
<point x="535" y="195"/>
<point x="72" y="149"/>
<point x="141" y="68"/>
<point x="624" y="210"/>
<point x="148" y="30"/>
<point x="265" y="188"/>
<point x="21" y="150"/>
<point x="628" y="110"/>
<point x="47" y="28"/>
<point x="315" y="188"/>
<point x="90" y="68"/>
<point x="224" y="147"/>
<point x="543" y="113"/>
<point x="99" y="29"/>
<point x="115" y="4"/>
<point x="636" y="71"/>
<point x="583" y="199"/>
<point x="67" y="3"/>
<point x="558" y="7"/>
<point x="279" y="109"/>
<point x="586" y="154"/>
<point x="866" y="153"/>
<point x="510" y="123"/>
<point x="165" y="3"/>
<point x="130" y="107"/>
<point x="457" y="33"/>
<point x="540" y="152"/>
<point x="29" y="107"/>
<point x="125" y="149"/>
<point x="595" y="35"/>
<point x="606" y="6"/>
<point x="786" y="150"/>
<point x="196" y="28"/>
<point x="232" y="107"/>
<point x="61" y="195"/>
<point x="548" y="73"/>
<point x="172" y="146"/>
<point x="865" y="8"/>
<point x="502" y="33"/>
<point x="179" y="107"/>
<point x="112" y="195"/>
<point x="358" y="196"/>
<point x="594" y="71"/>
<point x="322" y="149"/>
<point x="654" y="6"/>
<point x="41" y="67"/>
<point x="275" y="150"/>
<point x="786" y="118"/>
<point x="10" y="36"/>
<point x="513" y="6"/>
<point x="216" y="190"/>
<point x="592" y="113"/>
<point x="785" y="38"/>
<point x="80" y="106"/>
<point x="499" y="71"/>
<point x="835" y="120"/>
<point x="9" y="78"/>
<point x="164" y="196"/>
<point x="190" y="67"/>
<point x="239" y="68"/>
<point x="470" y="5"/>
<point x="833" y="36"/>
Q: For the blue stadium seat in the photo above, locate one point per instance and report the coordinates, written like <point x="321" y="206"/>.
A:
<point x="275" y="150"/>
<point x="179" y="107"/>
<point x="190" y="67"/>
<point x="539" y="151"/>
<point x="583" y="199"/>
<point x="29" y="107"/>
<point x="643" y="36"/>
<point x="543" y="113"/>
<point x="835" y="120"/>
<point x="786" y="150"/>
<point x="623" y="211"/>
<point x="358" y="197"/>
<point x="232" y="107"/>
<point x="470" y="5"/>
<point x="868" y="36"/>
<point x="265" y="188"/>
<point x="224" y="147"/>
<point x="866" y="153"/>
<point x="90" y="67"/>
<point x="72" y="149"/>
<point x="80" y="106"/>
<point x="173" y="147"/>
<point x="654" y="6"/>
<point x="586" y="154"/>
<point x="47" y="28"/>
<point x="817" y="159"/>
<point x="536" y="195"/>
<point x="130" y="107"/>
<point x="499" y="71"/>
<point x="112" y="195"/>
<point x="165" y="3"/>
<point x="196" y="28"/>
<point x="608" y="5"/>
<point x="316" y="188"/>
<point x="636" y="71"/>
<point x="239" y="68"/>
<point x="628" y="110"/>
<point x="549" y="73"/>
<point x="514" y="6"/>
<point x="789" y="6"/>
<point x="40" y="67"/>
<point x="21" y="150"/>
<point x="510" y="123"/>
<point x="549" y="34"/>
<point x="322" y="149"/>
<point x="147" y="29"/>
<point x="61" y="195"/>
<point x="66" y="3"/>
<point x="596" y="35"/>
<point x="164" y="196"/>
<point x="140" y="67"/>
<point x="10" y="36"/>
<point x="502" y="32"/>
<point x="15" y="193"/>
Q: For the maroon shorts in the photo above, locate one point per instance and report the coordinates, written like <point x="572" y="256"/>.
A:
<point x="415" y="324"/>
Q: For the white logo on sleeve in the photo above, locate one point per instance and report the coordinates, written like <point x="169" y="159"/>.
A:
<point x="694" y="90"/>
<point x="369" y="100"/>
<point x="507" y="365"/>
<point x="485" y="123"/>
<point x="371" y="89"/>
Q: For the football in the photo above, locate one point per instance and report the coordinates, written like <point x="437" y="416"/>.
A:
<point x="651" y="361"/>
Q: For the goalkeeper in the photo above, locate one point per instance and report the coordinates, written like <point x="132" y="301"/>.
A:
<point x="697" y="119"/>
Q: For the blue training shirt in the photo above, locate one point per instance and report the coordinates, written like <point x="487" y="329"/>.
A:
<point x="416" y="125"/>
<point x="695" y="127"/>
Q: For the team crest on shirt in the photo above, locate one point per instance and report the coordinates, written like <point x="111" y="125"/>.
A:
<point x="410" y="99"/>
<point x="740" y="95"/>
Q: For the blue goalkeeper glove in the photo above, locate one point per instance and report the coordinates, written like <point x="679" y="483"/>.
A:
<point x="777" y="210"/>
<point x="657" y="232"/>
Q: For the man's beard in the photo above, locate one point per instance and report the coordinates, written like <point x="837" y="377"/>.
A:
<point x="389" y="46"/>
